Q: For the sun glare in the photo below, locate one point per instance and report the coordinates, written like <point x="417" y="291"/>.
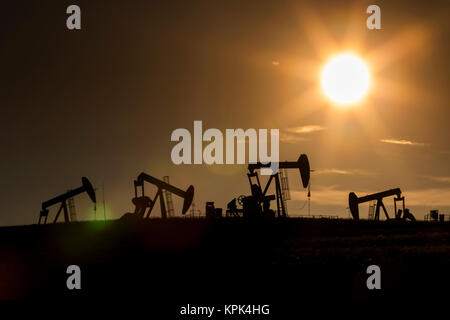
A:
<point x="345" y="79"/>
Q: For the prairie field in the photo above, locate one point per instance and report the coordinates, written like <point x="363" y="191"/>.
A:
<point x="227" y="259"/>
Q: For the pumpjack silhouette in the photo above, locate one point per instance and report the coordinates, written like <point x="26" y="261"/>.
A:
<point x="400" y="214"/>
<point x="144" y="205"/>
<point x="86" y="187"/>
<point x="258" y="203"/>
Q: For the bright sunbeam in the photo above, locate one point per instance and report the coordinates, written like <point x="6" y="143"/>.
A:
<point x="345" y="79"/>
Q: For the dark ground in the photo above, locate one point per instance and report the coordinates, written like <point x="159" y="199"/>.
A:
<point x="198" y="261"/>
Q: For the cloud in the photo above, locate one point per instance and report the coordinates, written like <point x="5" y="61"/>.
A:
<point x="403" y="142"/>
<point x="291" y="138"/>
<point x="306" y="129"/>
<point x="332" y="171"/>
<point x="296" y="134"/>
<point x="429" y="197"/>
<point x="439" y="179"/>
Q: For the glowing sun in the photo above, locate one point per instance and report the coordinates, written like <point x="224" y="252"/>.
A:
<point x="345" y="79"/>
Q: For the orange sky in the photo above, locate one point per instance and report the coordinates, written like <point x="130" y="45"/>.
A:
<point x="102" y="102"/>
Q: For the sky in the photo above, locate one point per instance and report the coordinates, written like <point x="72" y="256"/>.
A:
<point x="102" y="101"/>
